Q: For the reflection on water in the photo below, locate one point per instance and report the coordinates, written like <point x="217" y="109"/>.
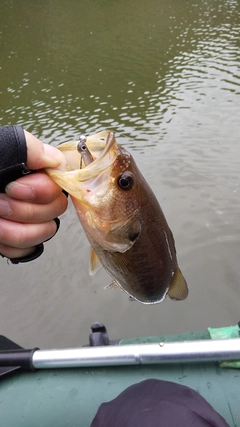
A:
<point x="166" y="77"/>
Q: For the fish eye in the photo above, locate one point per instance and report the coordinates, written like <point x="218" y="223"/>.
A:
<point x="125" y="181"/>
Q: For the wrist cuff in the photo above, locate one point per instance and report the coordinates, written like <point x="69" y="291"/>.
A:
<point x="13" y="154"/>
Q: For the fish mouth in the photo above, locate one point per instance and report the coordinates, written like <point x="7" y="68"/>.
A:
<point x="103" y="148"/>
<point x="70" y="177"/>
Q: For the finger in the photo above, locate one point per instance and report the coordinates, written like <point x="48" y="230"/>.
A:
<point x="24" y="236"/>
<point x="37" y="187"/>
<point x="10" y="252"/>
<point x="41" y="155"/>
<point x="31" y="213"/>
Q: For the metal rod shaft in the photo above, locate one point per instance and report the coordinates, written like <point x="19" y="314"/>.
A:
<point x="136" y="354"/>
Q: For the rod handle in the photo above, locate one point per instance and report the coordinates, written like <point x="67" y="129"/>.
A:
<point x="18" y="357"/>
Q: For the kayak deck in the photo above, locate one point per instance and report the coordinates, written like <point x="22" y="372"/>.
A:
<point x="71" y="397"/>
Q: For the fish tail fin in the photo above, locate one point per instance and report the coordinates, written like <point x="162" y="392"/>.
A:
<point x="178" y="289"/>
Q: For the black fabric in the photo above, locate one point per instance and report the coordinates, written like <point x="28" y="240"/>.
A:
<point x="156" y="403"/>
<point x="13" y="154"/>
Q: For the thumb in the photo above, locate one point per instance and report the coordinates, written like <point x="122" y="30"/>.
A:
<point x="41" y="155"/>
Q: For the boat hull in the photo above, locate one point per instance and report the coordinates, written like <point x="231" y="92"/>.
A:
<point x="71" y="397"/>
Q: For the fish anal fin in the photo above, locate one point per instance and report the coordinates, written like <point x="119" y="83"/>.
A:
<point x="178" y="289"/>
<point x="94" y="262"/>
<point x="114" y="285"/>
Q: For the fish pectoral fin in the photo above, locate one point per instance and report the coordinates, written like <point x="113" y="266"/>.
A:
<point x="122" y="235"/>
<point x="94" y="262"/>
<point x="178" y="289"/>
<point x="101" y="235"/>
<point x="115" y="236"/>
<point x="134" y="231"/>
<point x="114" y="285"/>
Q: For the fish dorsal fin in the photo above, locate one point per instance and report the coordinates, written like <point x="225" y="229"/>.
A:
<point x="178" y="289"/>
<point x="114" y="285"/>
<point x="94" y="262"/>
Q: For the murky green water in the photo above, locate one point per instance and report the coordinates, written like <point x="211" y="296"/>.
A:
<point x="165" y="76"/>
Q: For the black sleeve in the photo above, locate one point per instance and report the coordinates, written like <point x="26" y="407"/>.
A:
<point x="13" y="154"/>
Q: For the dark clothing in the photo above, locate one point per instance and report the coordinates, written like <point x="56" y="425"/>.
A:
<point x="13" y="154"/>
<point x="156" y="403"/>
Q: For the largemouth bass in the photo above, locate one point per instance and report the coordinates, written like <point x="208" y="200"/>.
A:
<point x="122" y="219"/>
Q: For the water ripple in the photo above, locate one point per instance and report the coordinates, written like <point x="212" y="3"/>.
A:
<point x="166" y="78"/>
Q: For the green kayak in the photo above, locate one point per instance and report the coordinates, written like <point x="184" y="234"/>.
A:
<point x="57" y="395"/>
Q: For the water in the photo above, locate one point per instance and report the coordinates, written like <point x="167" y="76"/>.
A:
<point x="165" y="76"/>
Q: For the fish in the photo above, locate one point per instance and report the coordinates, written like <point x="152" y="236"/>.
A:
<point x="122" y="219"/>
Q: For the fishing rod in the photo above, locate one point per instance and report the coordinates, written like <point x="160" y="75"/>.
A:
<point x="118" y="355"/>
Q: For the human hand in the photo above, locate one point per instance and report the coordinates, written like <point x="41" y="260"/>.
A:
<point x="30" y="204"/>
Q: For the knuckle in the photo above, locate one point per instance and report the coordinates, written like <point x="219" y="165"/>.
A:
<point x="28" y="213"/>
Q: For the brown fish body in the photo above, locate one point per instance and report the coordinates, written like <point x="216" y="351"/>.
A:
<point x="127" y="230"/>
<point x="145" y="270"/>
